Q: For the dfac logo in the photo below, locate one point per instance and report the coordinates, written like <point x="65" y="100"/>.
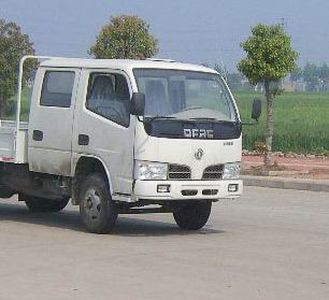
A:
<point x="198" y="154"/>
<point x="198" y="133"/>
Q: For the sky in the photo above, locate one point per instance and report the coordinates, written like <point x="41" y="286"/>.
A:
<point x="197" y="31"/>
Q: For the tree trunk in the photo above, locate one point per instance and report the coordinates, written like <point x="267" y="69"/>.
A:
<point x="2" y="100"/>
<point x="269" y="125"/>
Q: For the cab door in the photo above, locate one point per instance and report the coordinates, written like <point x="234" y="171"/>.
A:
<point x="51" y="121"/>
<point x="103" y="127"/>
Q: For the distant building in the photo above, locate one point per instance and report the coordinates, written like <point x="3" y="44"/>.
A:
<point x="300" y="86"/>
<point x="293" y="86"/>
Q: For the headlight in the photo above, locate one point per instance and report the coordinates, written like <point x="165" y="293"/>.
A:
<point x="146" y="170"/>
<point x="231" y="171"/>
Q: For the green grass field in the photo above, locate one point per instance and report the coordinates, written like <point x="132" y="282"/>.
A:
<point x="301" y="122"/>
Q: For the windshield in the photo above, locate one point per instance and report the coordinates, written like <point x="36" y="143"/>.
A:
<point x="185" y="95"/>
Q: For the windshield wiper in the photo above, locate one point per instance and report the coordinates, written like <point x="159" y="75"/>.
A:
<point x="210" y="119"/>
<point x="151" y="119"/>
<point x="204" y="119"/>
<point x="192" y="108"/>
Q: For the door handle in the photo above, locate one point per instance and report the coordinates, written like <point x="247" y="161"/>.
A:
<point x="83" y="139"/>
<point x="37" y="135"/>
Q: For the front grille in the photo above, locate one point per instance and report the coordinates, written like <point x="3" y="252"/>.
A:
<point x="179" y="172"/>
<point x="213" y="172"/>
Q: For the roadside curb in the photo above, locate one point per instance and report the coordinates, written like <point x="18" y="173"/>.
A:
<point x="286" y="183"/>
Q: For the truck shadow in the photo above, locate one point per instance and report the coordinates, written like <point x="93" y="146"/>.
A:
<point x="70" y="220"/>
<point x="130" y="226"/>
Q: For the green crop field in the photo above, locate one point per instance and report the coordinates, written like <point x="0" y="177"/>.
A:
<point x="301" y="122"/>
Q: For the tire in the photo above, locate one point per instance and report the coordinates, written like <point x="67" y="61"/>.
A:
<point x="193" y="215"/>
<point x="6" y="192"/>
<point x="97" y="210"/>
<point x="37" y="204"/>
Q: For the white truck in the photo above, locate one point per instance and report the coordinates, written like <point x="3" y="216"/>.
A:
<point x="124" y="137"/>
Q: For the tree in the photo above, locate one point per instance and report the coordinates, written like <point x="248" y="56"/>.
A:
<point x="125" y="37"/>
<point x="296" y="74"/>
<point x="270" y="58"/>
<point x="324" y="76"/>
<point x="311" y="75"/>
<point x="324" y="72"/>
<point x="13" y="45"/>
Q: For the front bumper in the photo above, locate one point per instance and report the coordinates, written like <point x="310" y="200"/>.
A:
<point x="187" y="190"/>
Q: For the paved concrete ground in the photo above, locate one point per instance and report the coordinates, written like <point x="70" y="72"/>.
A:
<point x="271" y="244"/>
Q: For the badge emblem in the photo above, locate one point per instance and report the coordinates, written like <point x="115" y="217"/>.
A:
<point x="198" y="154"/>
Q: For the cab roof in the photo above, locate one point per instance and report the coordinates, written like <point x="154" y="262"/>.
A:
<point x="122" y="64"/>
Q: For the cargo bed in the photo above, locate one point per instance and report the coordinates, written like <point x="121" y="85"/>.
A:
<point x="13" y="146"/>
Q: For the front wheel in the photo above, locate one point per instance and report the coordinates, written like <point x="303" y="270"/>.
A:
<point x="193" y="215"/>
<point x="98" y="211"/>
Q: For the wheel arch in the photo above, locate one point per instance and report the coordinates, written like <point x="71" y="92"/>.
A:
<point x="85" y="165"/>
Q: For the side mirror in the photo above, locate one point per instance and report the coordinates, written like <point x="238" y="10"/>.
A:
<point x="256" y="109"/>
<point x="137" y="104"/>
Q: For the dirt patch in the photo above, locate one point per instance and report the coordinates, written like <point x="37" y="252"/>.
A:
<point x="294" y="167"/>
<point x="274" y="170"/>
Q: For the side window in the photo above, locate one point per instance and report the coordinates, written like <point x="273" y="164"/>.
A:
<point x="108" y="96"/>
<point x="57" y="88"/>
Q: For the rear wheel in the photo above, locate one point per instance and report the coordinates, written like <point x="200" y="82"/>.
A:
<point x="37" y="204"/>
<point x="98" y="211"/>
<point x="192" y="215"/>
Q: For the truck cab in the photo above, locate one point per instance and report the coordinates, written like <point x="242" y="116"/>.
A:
<point x="124" y="136"/>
